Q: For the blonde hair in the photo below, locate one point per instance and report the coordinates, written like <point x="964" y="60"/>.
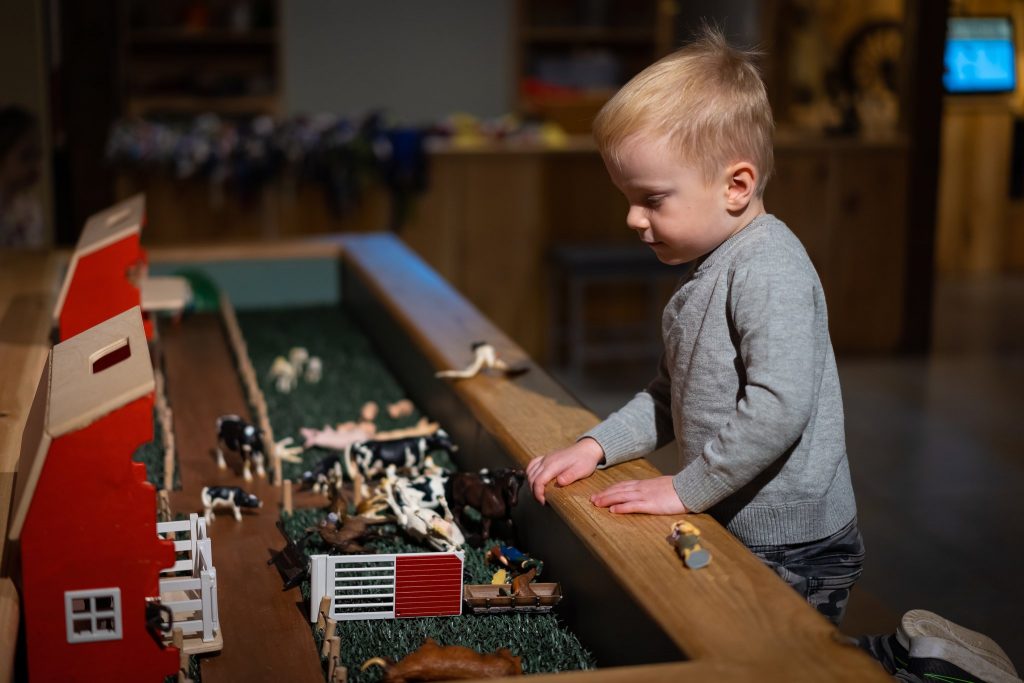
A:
<point x="707" y="98"/>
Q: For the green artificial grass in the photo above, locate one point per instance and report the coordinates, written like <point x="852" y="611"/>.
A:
<point x="353" y="375"/>
<point x="152" y="456"/>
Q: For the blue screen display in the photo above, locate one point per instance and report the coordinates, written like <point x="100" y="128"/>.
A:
<point x="980" y="56"/>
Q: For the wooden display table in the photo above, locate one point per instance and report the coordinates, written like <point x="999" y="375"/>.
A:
<point x="628" y="597"/>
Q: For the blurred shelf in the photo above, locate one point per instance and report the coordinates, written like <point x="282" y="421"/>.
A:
<point x="588" y="34"/>
<point x="590" y="47"/>
<point x="244" y="104"/>
<point x="180" y="37"/>
<point x="180" y="58"/>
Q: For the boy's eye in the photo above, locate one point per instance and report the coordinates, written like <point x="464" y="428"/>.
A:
<point x="654" y="200"/>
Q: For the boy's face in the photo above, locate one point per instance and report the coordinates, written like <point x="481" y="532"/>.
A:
<point x="671" y="207"/>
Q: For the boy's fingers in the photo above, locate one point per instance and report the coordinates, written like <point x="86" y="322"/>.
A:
<point x="626" y="508"/>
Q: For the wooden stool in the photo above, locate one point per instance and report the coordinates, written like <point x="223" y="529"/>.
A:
<point x="578" y="266"/>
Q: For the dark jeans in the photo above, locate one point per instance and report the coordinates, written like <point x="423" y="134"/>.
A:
<point x="822" y="571"/>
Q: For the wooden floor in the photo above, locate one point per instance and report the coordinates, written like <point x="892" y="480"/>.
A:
<point x="936" y="450"/>
<point x="266" y="630"/>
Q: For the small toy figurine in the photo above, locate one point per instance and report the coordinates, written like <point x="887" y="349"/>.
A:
<point x="514" y="560"/>
<point x="284" y="375"/>
<point x="369" y="411"/>
<point x="227" y="496"/>
<point x="314" y="370"/>
<point x="486" y="358"/>
<point x="492" y="495"/>
<point x="400" y="408"/>
<point x="686" y="539"/>
<point x="291" y="561"/>
<point x="346" y="533"/>
<point x="433" y="662"/>
<point x="371" y="457"/>
<point x="297" y="357"/>
<point x="420" y="523"/>
<point x="239" y="436"/>
<point x="338" y="438"/>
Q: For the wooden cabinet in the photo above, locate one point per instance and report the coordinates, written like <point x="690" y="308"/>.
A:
<point x="572" y="55"/>
<point x="184" y="57"/>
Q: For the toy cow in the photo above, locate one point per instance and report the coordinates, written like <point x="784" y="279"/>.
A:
<point x="227" y="496"/>
<point x="422" y="524"/>
<point x="239" y="436"/>
<point x="371" y="457"/>
<point x="433" y="662"/>
<point x="427" y="490"/>
<point x="323" y="473"/>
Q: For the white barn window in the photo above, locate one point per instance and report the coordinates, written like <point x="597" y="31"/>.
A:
<point x="93" y="615"/>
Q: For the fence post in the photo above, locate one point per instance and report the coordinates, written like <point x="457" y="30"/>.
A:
<point x="317" y="587"/>
<point x="333" y="656"/>
<point x="207" y="606"/>
<point x="330" y="626"/>
<point x="193" y="537"/>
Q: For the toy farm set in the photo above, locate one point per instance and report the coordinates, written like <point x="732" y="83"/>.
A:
<point x="304" y="462"/>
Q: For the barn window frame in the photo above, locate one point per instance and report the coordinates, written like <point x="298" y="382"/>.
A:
<point x="93" y="615"/>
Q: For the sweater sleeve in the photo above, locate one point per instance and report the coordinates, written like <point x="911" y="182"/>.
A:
<point x="641" y="426"/>
<point x="779" y="319"/>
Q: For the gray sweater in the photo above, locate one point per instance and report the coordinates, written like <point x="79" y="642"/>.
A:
<point x="748" y="388"/>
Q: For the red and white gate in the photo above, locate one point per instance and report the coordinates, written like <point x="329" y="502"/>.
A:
<point x="387" y="586"/>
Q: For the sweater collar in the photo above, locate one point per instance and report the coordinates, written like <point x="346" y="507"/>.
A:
<point x="756" y="225"/>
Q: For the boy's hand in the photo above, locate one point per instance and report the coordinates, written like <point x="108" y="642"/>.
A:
<point x="655" y="496"/>
<point x="565" y="466"/>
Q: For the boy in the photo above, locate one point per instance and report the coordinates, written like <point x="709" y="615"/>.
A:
<point x="747" y="385"/>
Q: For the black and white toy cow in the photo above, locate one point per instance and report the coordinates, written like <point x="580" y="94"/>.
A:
<point x="324" y="473"/>
<point x="372" y="457"/>
<point x="235" y="434"/>
<point x="232" y="497"/>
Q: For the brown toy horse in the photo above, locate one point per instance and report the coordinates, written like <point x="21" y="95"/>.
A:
<point x="492" y="494"/>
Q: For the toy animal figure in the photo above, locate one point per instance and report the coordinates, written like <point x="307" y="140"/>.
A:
<point x="422" y="524"/>
<point x="297" y="357"/>
<point x="492" y="495"/>
<point x="338" y="438"/>
<point x="314" y="370"/>
<point x="284" y="375"/>
<point x="346" y="533"/>
<point x="239" y="436"/>
<point x="159" y="621"/>
<point x="227" y="496"/>
<point x="324" y="473"/>
<point x="484" y="357"/>
<point x="372" y="457"/>
<point x="433" y="662"/>
<point x="424" y="490"/>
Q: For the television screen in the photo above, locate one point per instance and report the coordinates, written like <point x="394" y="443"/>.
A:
<point x="980" y="55"/>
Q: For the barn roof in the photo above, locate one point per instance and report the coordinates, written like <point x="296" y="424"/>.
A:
<point x="107" y="227"/>
<point x="86" y="377"/>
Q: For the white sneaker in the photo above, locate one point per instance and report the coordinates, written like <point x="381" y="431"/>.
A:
<point x="927" y="636"/>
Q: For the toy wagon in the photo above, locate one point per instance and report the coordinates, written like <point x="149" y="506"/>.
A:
<point x="493" y="599"/>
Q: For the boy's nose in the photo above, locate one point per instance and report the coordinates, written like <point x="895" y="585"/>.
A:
<point x="637" y="219"/>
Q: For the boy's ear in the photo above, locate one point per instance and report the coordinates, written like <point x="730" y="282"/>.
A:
<point x="742" y="183"/>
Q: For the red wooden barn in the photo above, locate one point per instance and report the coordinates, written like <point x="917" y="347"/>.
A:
<point x="105" y="271"/>
<point x="85" y="551"/>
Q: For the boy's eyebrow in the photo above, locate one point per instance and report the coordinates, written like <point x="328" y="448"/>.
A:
<point x="647" y="187"/>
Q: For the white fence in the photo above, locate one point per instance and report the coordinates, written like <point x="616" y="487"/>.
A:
<point x="386" y="586"/>
<point x="189" y="587"/>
